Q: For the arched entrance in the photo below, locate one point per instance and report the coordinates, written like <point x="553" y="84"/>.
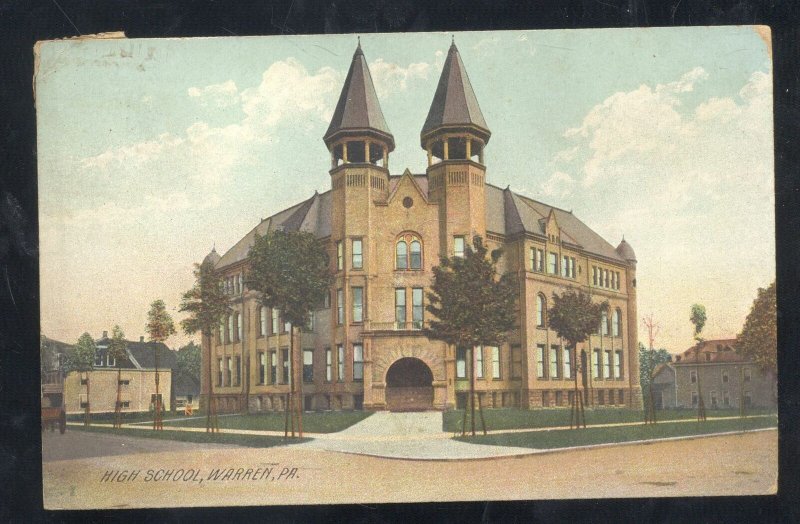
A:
<point x="409" y="385"/>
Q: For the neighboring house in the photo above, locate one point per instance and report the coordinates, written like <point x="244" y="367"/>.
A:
<point x="364" y="347"/>
<point x="186" y="390"/>
<point x="726" y="379"/>
<point x="137" y="379"/>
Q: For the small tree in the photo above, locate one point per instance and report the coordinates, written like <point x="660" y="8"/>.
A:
<point x="758" y="340"/>
<point x="574" y="316"/>
<point x="290" y="272"/>
<point x="159" y="327"/>
<point x="472" y="305"/>
<point x="698" y="319"/>
<point x="206" y="304"/>
<point x="649" y="359"/>
<point x="80" y="358"/>
<point x="118" y="350"/>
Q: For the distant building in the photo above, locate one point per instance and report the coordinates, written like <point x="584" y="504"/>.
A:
<point x="715" y="370"/>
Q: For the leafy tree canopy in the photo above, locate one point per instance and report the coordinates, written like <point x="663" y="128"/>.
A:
<point x="759" y="337"/>
<point x="205" y="302"/>
<point x="80" y="357"/>
<point x="698" y="318"/>
<point x="472" y="305"/>
<point x="118" y="346"/>
<point x="188" y="360"/>
<point x="159" y="322"/>
<point x="574" y="316"/>
<point x="648" y="360"/>
<point x="289" y="271"/>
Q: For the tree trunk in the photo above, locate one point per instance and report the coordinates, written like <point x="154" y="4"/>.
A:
<point x="298" y="373"/>
<point x="87" y="417"/>
<point x="472" y="389"/>
<point x="118" y="405"/>
<point x="212" y="425"/>
<point x="157" y="424"/>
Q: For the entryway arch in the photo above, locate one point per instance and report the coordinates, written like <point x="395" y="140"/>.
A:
<point x="409" y="385"/>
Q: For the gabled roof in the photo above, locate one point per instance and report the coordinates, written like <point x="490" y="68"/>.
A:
<point x="358" y="109"/>
<point x="454" y="103"/>
<point x="141" y="354"/>
<point x="711" y="351"/>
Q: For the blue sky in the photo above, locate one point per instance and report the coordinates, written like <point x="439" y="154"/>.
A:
<point x="151" y="151"/>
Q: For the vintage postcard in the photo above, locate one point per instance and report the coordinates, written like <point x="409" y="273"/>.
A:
<point x="473" y="266"/>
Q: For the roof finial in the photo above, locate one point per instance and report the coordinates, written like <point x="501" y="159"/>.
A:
<point x="452" y="39"/>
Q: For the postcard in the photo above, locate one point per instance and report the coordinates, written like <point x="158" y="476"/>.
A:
<point x="369" y="268"/>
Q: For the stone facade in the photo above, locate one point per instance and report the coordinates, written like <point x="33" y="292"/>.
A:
<point x="384" y="234"/>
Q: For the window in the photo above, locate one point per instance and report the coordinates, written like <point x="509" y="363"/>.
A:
<point x="724" y="377"/>
<point x="339" y="255"/>
<point x="616" y="322"/>
<point x="308" y="366"/>
<point x="262" y="368"/>
<point x="601" y="397"/>
<point x="461" y="363"/>
<point x="604" y="323"/>
<point x="694" y="399"/>
<point x="618" y="283"/>
<point x="598" y="365"/>
<point x="287" y="326"/>
<point x="284" y="365"/>
<point x="458" y="246"/>
<point x="358" y="304"/>
<point x="237" y="371"/>
<point x="713" y="399"/>
<point x="567" y="362"/>
<point x="540" y="360"/>
<point x="340" y="363"/>
<point x="516" y="362"/>
<point x="621" y="396"/>
<point x="605" y="277"/>
<point x="229" y="332"/>
<point x="479" y="362"/>
<point x="328" y="365"/>
<point x="400" y="307"/>
<point x="611" y="396"/>
<point x="693" y="377"/>
<point x="220" y="329"/>
<point x="273" y="367"/>
<point x="110" y="360"/>
<point x="416" y="255"/>
<point x="747" y="375"/>
<point x="310" y="322"/>
<point x="417" y="308"/>
<point x="568" y="267"/>
<point x="228" y="371"/>
<point x="238" y="322"/>
<point x="275" y="320"/>
<point x="262" y="321"/>
<point x="541" y="308"/>
<point x="358" y="362"/>
<point x="618" y="364"/>
<point x="537" y="259"/>
<point x="495" y="362"/>
<point x="125" y="404"/>
<point x="552" y="263"/>
<point x="554" y="350"/>
<point x="594" y="275"/>
<point x="326" y="301"/>
<point x="401" y="255"/>
<point x="748" y="399"/>
<point x="726" y="399"/>
<point x="607" y="368"/>
<point x="339" y="306"/>
<point x="357" y="256"/>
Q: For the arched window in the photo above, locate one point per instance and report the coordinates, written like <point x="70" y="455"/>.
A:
<point x="401" y="252"/>
<point x="229" y="338"/>
<point x="237" y="326"/>
<point x="616" y="320"/>
<point x="541" y="310"/>
<point x="416" y="255"/>
<point x="262" y="316"/>
<point x="604" y="323"/>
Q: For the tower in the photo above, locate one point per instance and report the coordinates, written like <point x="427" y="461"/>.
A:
<point x="454" y="136"/>
<point x="626" y="251"/>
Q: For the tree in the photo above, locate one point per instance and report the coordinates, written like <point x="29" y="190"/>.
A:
<point x="80" y="358"/>
<point x="188" y="361"/>
<point x="574" y="316"/>
<point x="472" y="305"/>
<point x="758" y="340"/>
<point x="159" y="327"/>
<point x="206" y="304"/>
<point x="698" y="319"/>
<point x="118" y="350"/>
<point x="649" y="359"/>
<point x="289" y="270"/>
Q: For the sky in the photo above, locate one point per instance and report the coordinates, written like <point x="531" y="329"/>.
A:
<point x="151" y="151"/>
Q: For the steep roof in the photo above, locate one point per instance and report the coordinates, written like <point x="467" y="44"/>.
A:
<point x="141" y="355"/>
<point x="454" y="102"/>
<point x="718" y="350"/>
<point x="183" y="385"/>
<point x="358" y="109"/>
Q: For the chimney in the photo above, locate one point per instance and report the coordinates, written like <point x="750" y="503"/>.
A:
<point x="105" y="334"/>
<point x="141" y="338"/>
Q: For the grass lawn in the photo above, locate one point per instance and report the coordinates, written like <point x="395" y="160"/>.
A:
<point x="139" y="416"/>
<point x="313" y="422"/>
<point x="562" y="438"/>
<point x="252" y="441"/>
<point x="511" y="418"/>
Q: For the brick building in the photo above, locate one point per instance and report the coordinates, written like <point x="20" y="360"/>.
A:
<point x="364" y="347"/>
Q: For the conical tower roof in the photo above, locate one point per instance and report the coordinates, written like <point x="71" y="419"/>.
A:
<point x="454" y="104"/>
<point x="358" y="111"/>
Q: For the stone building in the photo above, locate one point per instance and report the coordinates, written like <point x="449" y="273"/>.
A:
<point x="364" y="348"/>
<point x="716" y="371"/>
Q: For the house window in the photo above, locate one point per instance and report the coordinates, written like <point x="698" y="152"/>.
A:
<point x="416" y="254"/>
<point x="747" y="375"/>
<point x="537" y="259"/>
<point x="358" y="304"/>
<point x="400" y="308"/>
<point x="552" y="263"/>
<point x="479" y="362"/>
<point x="229" y="338"/>
<point x="110" y="360"/>
<point x="273" y="367"/>
<point x="340" y="362"/>
<point x="237" y="371"/>
<point x="124" y="382"/>
<point x="598" y="364"/>
<point x="748" y="399"/>
<point x="98" y="360"/>
<point x="458" y="246"/>
<point x="516" y="362"/>
<point x="262" y="321"/>
<point x="308" y="366"/>
<point x="554" y="350"/>
<point x="358" y="362"/>
<point x="461" y="363"/>
<point x="540" y="360"/>
<point x="328" y="365"/>
<point x="713" y="399"/>
<point x="262" y="367"/>
<point x="567" y="362"/>
<point x="228" y="371"/>
<point x="616" y="322"/>
<point x="594" y="275"/>
<point x="275" y="320"/>
<point x="618" y="364"/>
<point x="125" y="404"/>
<point x="417" y="309"/>
<point x="339" y="306"/>
<point x="693" y="377"/>
<point x="724" y="377"/>
<point x="284" y="365"/>
<point x="608" y="365"/>
<point x="541" y="308"/>
<point x="604" y="323"/>
<point x="238" y="323"/>
<point x="357" y="256"/>
<point x="401" y="255"/>
<point x="694" y="399"/>
<point x="339" y="255"/>
<point x="726" y="399"/>
<point x="495" y="362"/>
<point x="568" y="267"/>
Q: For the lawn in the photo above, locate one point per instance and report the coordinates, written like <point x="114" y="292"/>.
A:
<point x="563" y="438"/>
<point x="252" y="441"/>
<point x="313" y="422"/>
<point x="138" y="416"/>
<point x="512" y="418"/>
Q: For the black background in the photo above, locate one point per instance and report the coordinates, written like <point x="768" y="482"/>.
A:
<point x="24" y="22"/>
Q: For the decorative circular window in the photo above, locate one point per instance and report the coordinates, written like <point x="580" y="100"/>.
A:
<point x="408" y="202"/>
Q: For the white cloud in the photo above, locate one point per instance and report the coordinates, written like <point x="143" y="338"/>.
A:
<point x="391" y="78"/>
<point x="216" y="95"/>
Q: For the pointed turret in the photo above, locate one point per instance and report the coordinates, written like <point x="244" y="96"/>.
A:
<point x="358" y="113"/>
<point x="212" y="258"/>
